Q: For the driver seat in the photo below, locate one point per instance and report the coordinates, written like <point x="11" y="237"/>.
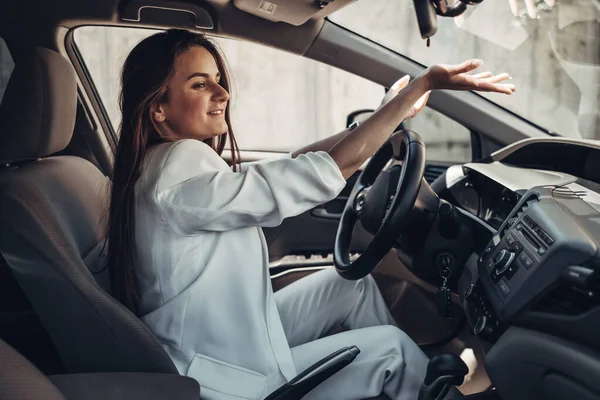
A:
<point x="51" y="225"/>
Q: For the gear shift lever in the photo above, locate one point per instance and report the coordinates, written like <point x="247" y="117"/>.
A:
<point x="443" y="372"/>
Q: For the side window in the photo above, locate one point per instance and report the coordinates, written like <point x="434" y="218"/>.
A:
<point x="446" y="139"/>
<point x="104" y="50"/>
<point x="280" y="101"/>
<point x="6" y="67"/>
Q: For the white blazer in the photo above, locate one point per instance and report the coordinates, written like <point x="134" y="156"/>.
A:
<point x="202" y="261"/>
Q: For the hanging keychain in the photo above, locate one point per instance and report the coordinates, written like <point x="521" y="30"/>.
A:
<point x="443" y="294"/>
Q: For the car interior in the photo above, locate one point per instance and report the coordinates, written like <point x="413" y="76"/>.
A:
<point x="489" y="263"/>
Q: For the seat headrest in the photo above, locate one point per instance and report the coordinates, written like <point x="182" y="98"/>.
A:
<point x="37" y="114"/>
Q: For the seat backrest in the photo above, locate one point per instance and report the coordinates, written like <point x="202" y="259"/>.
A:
<point x="51" y="211"/>
<point x="19" y="379"/>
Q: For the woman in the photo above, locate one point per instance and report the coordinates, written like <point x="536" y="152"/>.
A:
<point x="186" y="251"/>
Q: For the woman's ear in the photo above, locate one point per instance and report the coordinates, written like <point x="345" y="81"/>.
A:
<point x="157" y="113"/>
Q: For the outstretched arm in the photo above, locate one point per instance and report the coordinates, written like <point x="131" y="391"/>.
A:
<point x="328" y="143"/>
<point x="351" y="151"/>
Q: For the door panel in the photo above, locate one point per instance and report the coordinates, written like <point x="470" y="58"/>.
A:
<point x="313" y="232"/>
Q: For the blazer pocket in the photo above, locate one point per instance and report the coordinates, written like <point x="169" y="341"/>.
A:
<point x="230" y="381"/>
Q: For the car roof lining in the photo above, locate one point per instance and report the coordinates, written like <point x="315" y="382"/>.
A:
<point x="229" y="21"/>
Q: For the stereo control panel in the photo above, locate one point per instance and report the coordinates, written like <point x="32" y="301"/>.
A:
<point x="540" y="244"/>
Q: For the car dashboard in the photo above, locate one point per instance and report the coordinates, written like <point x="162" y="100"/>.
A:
<point x="531" y="289"/>
<point x="538" y="265"/>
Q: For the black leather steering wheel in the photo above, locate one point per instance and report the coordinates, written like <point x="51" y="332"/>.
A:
<point x="382" y="201"/>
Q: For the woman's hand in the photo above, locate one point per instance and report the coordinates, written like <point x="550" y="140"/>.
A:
<point x="530" y="6"/>
<point x="396" y="88"/>
<point x="455" y="77"/>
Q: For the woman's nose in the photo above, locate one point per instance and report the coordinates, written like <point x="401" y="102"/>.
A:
<point x="221" y="94"/>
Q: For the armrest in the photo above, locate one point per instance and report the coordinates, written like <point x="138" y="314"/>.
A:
<point x="314" y="375"/>
<point x="126" y="386"/>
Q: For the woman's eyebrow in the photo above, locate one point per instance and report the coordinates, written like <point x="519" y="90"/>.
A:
<point x="201" y="74"/>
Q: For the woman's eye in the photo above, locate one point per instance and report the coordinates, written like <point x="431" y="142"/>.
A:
<point x="199" y="85"/>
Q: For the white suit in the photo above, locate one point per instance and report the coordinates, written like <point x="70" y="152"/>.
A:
<point x="202" y="270"/>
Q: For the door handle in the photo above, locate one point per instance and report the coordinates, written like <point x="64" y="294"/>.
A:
<point x="332" y="209"/>
<point x="323" y="213"/>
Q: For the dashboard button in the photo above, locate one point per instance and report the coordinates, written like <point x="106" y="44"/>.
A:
<point x="547" y="239"/>
<point x="510" y="240"/>
<point x="525" y="260"/>
<point x="519" y="226"/>
<point x="541" y="251"/>
<point x="510" y="272"/>
<point x="504" y="287"/>
<point x="529" y="222"/>
<point x="487" y="251"/>
<point x="517" y="247"/>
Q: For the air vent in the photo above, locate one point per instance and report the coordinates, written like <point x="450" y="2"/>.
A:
<point x="531" y="200"/>
<point x="432" y="172"/>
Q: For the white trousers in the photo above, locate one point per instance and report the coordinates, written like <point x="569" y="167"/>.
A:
<point x="389" y="361"/>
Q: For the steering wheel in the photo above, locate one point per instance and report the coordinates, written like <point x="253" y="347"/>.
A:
<point x="382" y="201"/>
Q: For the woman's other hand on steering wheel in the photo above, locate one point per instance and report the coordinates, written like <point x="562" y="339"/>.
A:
<point x="456" y="77"/>
<point x="396" y="88"/>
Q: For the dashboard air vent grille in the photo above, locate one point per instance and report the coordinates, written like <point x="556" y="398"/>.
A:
<point x="432" y="172"/>
<point x="531" y="200"/>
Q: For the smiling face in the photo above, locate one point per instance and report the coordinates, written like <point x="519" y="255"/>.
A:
<point x="196" y="103"/>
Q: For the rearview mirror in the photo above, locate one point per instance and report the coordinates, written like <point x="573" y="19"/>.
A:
<point x="428" y="10"/>
<point x="426" y="17"/>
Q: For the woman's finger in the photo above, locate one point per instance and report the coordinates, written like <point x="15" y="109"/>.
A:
<point x="514" y="7"/>
<point x="506" y="88"/>
<point x="400" y="84"/>
<point x="422" y="101"/>
<point x="483" y="85"/>
<point x="486" y="74"/>
<point x="394" y="89"/>
<point x="499" y="78"/>
<point x="531" y="10"/>
<point x="467" y="66"/>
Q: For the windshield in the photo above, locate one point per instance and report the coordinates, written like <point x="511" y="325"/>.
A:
<point x="554" y="58"/>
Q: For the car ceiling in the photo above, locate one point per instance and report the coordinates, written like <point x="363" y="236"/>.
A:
<point x="229" y="20"/>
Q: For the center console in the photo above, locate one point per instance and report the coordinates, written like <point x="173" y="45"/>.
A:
<point x="536" y="250"/>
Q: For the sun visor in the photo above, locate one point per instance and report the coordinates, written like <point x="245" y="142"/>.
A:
<point x="169" y="13"/>
<point x="294" y="12"/>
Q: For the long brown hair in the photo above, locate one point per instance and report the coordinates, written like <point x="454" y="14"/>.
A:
<point x="143" y="83"/>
